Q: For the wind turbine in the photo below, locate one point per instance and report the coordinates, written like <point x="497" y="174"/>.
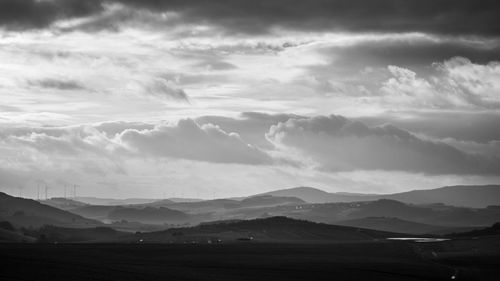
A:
<point x="74" y="190"/>
<point x="38" y="189"/>
<point x="46" y="190"/>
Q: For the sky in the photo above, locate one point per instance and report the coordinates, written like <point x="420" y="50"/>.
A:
<point x="193" y="98"/>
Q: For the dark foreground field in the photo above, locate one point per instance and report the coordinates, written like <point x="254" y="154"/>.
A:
<point x="252" y="261"/>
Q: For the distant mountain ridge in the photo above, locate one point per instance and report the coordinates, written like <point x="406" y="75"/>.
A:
<point x="226" y="204"/>
<point x="437" y="214"/>
<point x="148" y="215"/>
<point x="472" y="196"/>
<point x="314" y="195"/>
<point x="440" y="210"/>
<point x="114" y="202"/>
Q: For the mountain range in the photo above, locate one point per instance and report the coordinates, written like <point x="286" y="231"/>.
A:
<point x="438" y="211"/>
<point x="479" y="196"/>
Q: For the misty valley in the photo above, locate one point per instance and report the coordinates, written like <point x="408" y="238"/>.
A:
<point x="415" y="236"/>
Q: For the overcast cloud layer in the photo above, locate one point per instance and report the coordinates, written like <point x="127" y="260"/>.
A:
<point x="440" y="16"/>
<point x="141" y="98"/>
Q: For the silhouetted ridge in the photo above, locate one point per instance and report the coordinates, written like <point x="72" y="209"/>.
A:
<point x="493" y="230"/>
<point x="273" y="229"/>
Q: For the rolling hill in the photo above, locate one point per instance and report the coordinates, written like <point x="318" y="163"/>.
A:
<point x="197" y="207"/>
<point x="183" y="200"/>
<point x="274" y="229"/>
<point x="27" y="212"/>
<point x="63" y="203"/>
<point x="392" y="224"/>
<point x="493" y="230"/>
<point x="269" y="200"/>
<point x="222" y="205"/>
<point x="430" y="217"/>
<point x="313" y="195"/>
<point x="94" y="212"/>
<point x="413" y="212"/>
<point x="148" y="215"/>
<point x="471" y="196"/>
<point x="133" y="213"/>
<point x="114" y="202"/>
<point x="332" y="213"/>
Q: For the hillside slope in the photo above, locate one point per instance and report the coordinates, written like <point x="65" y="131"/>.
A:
<point x="274" y="229"/>
<point x="392" y="224"/>
<point x="27" y="212"/>
<point x="461" y="195"/>
<point x="314" y="195"/>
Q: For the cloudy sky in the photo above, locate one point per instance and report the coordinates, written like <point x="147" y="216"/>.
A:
<point x="193" y="98"/>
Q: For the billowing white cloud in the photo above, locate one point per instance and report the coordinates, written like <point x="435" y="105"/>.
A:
<point x="189" y="140"/>
<point x="480" y="83"/>
<point x="459" y="84"/>
<point x="406" y="88"/>
<point x="73" y="140"/>
<point x="184" y="140"/>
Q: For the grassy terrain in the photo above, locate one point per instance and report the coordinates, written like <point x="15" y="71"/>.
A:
<point x="244" y="261"/>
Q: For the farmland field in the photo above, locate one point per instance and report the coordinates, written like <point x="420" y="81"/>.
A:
<point x="238" y="261"/>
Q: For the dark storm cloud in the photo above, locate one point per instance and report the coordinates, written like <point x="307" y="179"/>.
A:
<point x="414" y="54"/>
<point x="481" y="127"/>
<point x="20" y="14"/>
<point x="441" y="16"/>
<point x="340" y="144"/>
